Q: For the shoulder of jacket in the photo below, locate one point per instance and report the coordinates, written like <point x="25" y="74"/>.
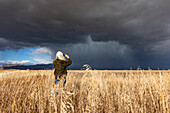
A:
<point x="55" y="60"/>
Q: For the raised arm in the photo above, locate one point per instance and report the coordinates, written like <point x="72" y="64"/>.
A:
<point x="66" y="63"/>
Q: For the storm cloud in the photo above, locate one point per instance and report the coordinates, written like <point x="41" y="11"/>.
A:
<point x="126" y="32"/>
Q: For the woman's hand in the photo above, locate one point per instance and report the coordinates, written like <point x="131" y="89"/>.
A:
<point x="65" y="55"/>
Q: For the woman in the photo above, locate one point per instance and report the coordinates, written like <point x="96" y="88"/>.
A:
<point x="60" y="65"/>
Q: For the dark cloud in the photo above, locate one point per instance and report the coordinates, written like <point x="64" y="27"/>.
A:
<point x="138" y="25"/>
<point x="99" y="55"/>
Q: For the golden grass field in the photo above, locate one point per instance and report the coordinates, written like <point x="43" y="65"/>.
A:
<point x="94" y="91"/>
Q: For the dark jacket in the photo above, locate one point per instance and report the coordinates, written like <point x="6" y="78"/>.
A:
<point x="61" y="67"/>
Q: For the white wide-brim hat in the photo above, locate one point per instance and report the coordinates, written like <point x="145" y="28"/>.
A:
<point x="59" y="55"/>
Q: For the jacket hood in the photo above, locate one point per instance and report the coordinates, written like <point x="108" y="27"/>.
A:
<point x="59" y="55"/>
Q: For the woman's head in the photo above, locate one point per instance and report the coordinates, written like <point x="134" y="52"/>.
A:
<point x="60" y="56"/>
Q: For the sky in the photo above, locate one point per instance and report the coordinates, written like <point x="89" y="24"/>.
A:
<point x="106" y="34"/>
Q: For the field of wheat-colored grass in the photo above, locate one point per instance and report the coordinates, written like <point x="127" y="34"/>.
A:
<point x="131" y="91"/>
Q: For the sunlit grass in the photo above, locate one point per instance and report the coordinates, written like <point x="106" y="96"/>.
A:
<point x="86" y="91"/>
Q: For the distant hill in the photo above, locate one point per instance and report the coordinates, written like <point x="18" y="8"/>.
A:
<point x="11" y="65"/>
<point x="31" y="67"/>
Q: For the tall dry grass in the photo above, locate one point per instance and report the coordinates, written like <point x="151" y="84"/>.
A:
<point x="86" y="91"/>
